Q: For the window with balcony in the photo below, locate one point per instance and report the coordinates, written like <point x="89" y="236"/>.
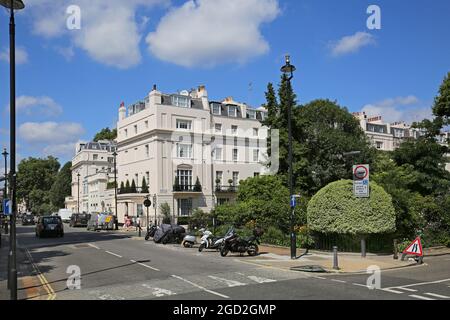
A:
<point x="184" y="207"/>
<point x="184" y="124"/>
<point x="184" y="178"/>
<point x="219" y="176"/>
<point x="181" y="101"/>
<point x="379" y="145"/>
<point x="235" y="178"/>
<point x="184" y="151"/>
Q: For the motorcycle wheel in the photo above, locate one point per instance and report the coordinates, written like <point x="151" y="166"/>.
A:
<point x="253" y="250"/>
<point x="187" y="244"/>
<point x="224" y="251"/>
<point x="202" y="246"/>
<point x="147" y="237"/>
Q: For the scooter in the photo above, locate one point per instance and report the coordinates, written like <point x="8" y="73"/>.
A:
<point x="150" y="232"/>
<point x="208" y="241"/>
<point x="190" y="239"/>
<point x="234" y="243"/>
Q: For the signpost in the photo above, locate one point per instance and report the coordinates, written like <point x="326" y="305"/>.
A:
<point x="7" y="207"/>
<point x="361" y="184"/>
<point x="414" y="249"/>
<point x="147" y="204"/>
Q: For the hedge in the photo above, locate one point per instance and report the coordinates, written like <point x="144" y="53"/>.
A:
<point x="334" y="209"/>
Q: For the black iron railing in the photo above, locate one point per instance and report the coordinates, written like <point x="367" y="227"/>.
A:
<point x="230" y="188"/>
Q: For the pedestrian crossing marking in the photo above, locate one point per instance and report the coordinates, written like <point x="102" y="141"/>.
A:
<point x="229" y="283"/>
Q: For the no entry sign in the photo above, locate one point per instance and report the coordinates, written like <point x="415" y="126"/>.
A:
<point x="361" y="188"/>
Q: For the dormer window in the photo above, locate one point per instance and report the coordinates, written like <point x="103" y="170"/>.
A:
<point x="251" y="114"/>
<point x="232" y="111"/>
<point x="216" y="108"/>
<point x="181" y="101"/>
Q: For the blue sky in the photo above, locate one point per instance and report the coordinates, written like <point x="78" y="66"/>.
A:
<point x="70" y="83"/>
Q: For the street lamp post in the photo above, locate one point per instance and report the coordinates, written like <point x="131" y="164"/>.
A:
<point x="78" y="197"/>
<point x="115" y="191"/>
<point x="155" y="207"/>
<point x="5" y="192"/>
<point x="13" y="5"/>
<point x="288" y="69"/>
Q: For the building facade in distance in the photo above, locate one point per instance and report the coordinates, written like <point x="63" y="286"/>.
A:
<point x="93" y="178"/>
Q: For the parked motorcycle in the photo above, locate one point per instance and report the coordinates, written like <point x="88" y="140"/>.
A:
<point x="150" y="232"/>
<point x="208" y="241"/>
<point x="190" y="240"/>
<point x="236" y="244"/>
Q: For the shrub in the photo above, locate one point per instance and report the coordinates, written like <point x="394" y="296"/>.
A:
<point x="334" y="209"/>
<point x="184" y="220"/>
<point x="198" y="186"/>
<point x="166" y="213"/>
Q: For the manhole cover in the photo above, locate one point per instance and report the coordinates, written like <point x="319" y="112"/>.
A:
<point x="319" y="269"/>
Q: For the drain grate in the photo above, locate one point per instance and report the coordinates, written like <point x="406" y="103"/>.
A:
<point x="318" y="269"/>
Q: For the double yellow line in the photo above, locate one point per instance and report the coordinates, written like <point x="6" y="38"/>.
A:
<point x="50" y="292"/>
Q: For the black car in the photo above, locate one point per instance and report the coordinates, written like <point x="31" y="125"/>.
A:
<point x="28" y="220"/>
<point x="79" y="220"/>
<point x="50" y="225"/>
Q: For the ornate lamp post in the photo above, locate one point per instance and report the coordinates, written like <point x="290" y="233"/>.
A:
<point x="13" y="5"/>
<point x="78" y="197"/>
<point x="288" y="69"/>
<point x="115" y="191"/>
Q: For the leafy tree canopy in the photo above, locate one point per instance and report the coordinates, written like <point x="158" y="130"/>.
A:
<point x="106" y="134"/>
<point x="441" y="106"/>
<point x="61" y="188"/>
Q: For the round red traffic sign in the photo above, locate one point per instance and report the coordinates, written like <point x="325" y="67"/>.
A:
<point x="361" y="172"/>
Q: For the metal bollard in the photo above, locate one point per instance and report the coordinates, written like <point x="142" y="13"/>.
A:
<point x="335" y="258"/>
<point x="395" y="249"/>
<point x="363" y="247"/>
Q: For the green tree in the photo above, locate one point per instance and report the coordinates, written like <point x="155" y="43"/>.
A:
<point x="144" y="188"/>
<point x="334" y="209"/>
<point x="106" y="134"/>
<point x="127" y="187"/>
<point x="62" y="187"/>
<point x="166" y="213"/>
<point x="35" y="178"/>
<point x="122" y="187"/>
<point x="441" y="106"/>
<point x="198" y="186"/>
<point x="133" y="188"/>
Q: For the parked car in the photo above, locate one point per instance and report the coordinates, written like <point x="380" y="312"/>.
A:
<point x="50" y="225"/>
<point x="27" y="220"/>
<point x="65" y="215"/>
<point x="79" y="220"/>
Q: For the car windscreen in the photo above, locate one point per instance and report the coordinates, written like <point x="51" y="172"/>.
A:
<point x="50" y="220"/>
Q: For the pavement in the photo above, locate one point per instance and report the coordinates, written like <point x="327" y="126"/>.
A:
<point x="120" y="266"/>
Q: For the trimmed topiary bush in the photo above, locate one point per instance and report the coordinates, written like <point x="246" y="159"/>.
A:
<point x="334" y="209"/>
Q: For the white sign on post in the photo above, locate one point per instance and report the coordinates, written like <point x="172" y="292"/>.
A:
<point x="361" y="185"/>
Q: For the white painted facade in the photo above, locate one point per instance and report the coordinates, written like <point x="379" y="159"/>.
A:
<point x="169" y="137"/>
<point x="94" y="162"/>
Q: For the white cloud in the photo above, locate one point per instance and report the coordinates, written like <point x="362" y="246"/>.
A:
<point x="408" y="109"/>
<point x="37" y="106"/>
<point x="21" y="55"/>
<point x="109" y="29"/>
<point x="351" y="44"/>
<point x="209" y="32"/>
<point x="50" y="133"/>
<point x="67" y="52"/>
<point x="65" y="150"/>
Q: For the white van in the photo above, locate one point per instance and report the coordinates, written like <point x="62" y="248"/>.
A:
<point x="65" y="214"/>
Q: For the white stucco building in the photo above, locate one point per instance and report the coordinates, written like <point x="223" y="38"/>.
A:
<point x="94" y="163"/>
<point x="173" y="140"/>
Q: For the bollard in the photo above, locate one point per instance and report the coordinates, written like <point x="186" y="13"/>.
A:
<point x="363" y="248"/>
<point x="395" y="249"/>
<point x="335" y="258"/>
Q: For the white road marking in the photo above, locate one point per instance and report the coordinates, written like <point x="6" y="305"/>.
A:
<point x="322" y="278"/>
<point x="392" y="291"/>
<point x="112" y="253"/>
<point x="361" y="285"/>
<point x="261" y="280"/>
<point x="159" y="292"/>
<point x="229" y="283"/>
<point x="406" y="289"/>
<point x="93" y="246"/>
<point x="144" y="265"/>
<point x="340" y="281"/>
<point x="420" y="297"/>
<point x="437" y="295"/>
<point x="425" y="283"/>
<point x="201" y="288"/>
